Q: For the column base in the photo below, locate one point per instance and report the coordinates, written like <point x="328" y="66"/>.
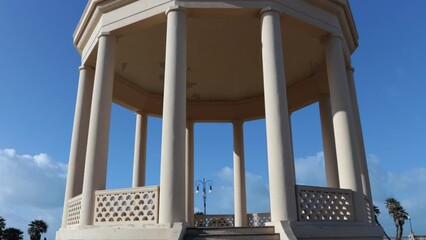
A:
<point x="131" y="232"/>
<point x="329" y="230"/>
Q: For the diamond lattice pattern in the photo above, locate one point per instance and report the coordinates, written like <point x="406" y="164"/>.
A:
<point x="74" y="208"/>
<point x="127" y="206"/>
<point x="324" y="204"/>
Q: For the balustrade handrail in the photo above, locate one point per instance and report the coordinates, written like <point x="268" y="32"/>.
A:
<point x="324" y="204"/>
<point x="134" y="205"/>
<point x="338" y="190"/>
<point x="131" y="205"/>
<point x="227" y="220"/>
<point x="141" y="205"/>
<point x="127" y="190"/>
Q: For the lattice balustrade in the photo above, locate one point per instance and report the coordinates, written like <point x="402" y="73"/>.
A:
<point x="254" y="220"/>
<point x="324" y="204"/>
<point x="74" y="208"/>
<point x="214" y="220"/>
<point x="136" y="205"/>
<point x="369" y="208"/>
<point x="258" y="219"/>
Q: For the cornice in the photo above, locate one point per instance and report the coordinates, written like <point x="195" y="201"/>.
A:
<point x="350" y="19"/>
<point x="93" y="11"/>
<point x="341" y="9"/>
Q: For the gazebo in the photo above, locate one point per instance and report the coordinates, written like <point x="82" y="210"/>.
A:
<point x="190" y="61"/>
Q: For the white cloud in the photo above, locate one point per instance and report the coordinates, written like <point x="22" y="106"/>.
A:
<point x="32" y="187"/>
<point x="408" y="187"/>
<point x="226" y="174"/>
<point x="256" y="190"/>
<point x="257" y="194"/>
<point x="310" y="170"/>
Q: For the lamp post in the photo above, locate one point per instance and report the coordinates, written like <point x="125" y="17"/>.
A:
<point x="204" y="184"/>
<point x="411" y="227"/>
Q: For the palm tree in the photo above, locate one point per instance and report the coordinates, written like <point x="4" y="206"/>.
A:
<point x="398" y="214"/>
<point x="36" y="228"/>
<point x="376" y="219"/>
<point x="12" y="234"/>
<point x="2" y="225"/>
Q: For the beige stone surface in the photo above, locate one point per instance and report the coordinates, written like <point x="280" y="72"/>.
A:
<point x="240" y="202"/>
<point x="230" y="61"/>
<point x="172" y="176"/>
<point x="211" y="64"/>
<point x="98" y="138"/>
<point x="139" y="161"/>
<point x="79" y="138"/>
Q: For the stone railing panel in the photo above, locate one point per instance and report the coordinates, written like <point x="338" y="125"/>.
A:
<point x="254" y="220"/>
<point x="370" y="209"/>
<point x="74" y="209"/>
<point x="134" y="205"/>
<point x="258" y="219"/>
<point x="214" y="220"/>
<point x="324" y="204"/>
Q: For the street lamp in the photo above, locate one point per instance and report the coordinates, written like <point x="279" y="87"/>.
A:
<point x="411" y="227"/>
<point x="204" y="183"/>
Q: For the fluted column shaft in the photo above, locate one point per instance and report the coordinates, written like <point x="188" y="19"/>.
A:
<point x="79" y="138"/>
<point x="330" y="159"/>
<point x="240" y="208"/>
<point x="100" y="114"/>
<point x="349" y="167"/>
<point x="189" y="179"/>
<point x="139" y="160"/>
<point x="280" y="158"/>
<point x="172" y="180"/>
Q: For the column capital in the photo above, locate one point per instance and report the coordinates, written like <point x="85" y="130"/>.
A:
<point x="175" y="8"/>
<point x="84" y="67"/>
<point x="238" y="121"/>
<point x="142" y="113"/>
<point x="331" y="36"/>
<point x="268" y="10"/>
<point x="105" y="34"/>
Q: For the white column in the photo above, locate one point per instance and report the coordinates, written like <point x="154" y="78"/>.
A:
<point x="79" y="138"/>
<point x="280" y="158"/>
<point x="330" y="159"/>
<point x="172" y="180"/>
<point x="349" y="172"/>
<point x="189" y="179"/>
<point x="139" y="160"/>
<point x="359" y="136"/>
<point x="240" y="209"/>
<point x="100" y="114"/>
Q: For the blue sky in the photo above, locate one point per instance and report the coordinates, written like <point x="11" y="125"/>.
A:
<point x="38" y="85"/>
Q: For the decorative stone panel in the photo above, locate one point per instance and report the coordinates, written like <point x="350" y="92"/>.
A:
<point x="369" y="208"/>
<point x="74" y="209"/>
<point x="254" y="220"/>
<point x="214" y="220"/>
<point x="258" y="219"/>
<point x="324" y="204"/>
<point x="135" y="205"/>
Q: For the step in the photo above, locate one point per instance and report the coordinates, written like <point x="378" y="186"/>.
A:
<point x="230" y="230"/>
<point x="232" y="233"/>
<point x="233" y="237"/>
